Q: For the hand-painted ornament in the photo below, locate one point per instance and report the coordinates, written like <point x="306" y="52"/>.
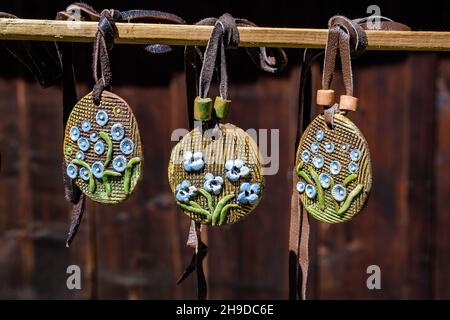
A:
<point x="334" y="186"/>
<point x="216" y="181"/>
<point x="102" y="148"/>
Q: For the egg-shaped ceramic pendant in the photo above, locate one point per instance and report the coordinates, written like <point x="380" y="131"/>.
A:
<point x="102" y="148"/>
<point x="340" y="179"/>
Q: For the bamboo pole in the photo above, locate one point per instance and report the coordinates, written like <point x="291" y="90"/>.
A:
<point x="140" y="33"/>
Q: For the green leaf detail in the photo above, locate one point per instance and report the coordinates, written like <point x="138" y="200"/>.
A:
<point x="208" y="197"/>
<point x="224" y="212"/>
<point x="106" y="174"/>
<point x="355" y="192"/>
<point x="219" y="207"/>
<point x="349" y="179"/>
<point x="92" y="185"/>
<point x="109" y="143"/>
<point x="315" y="177"/>
<point x="128" y="171"/>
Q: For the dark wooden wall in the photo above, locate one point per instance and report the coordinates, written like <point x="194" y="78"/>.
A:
<point x="136" y="250"/>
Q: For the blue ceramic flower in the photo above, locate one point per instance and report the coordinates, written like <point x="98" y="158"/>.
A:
<point x="235" y="169"/>
<point x="72" y="171"/>
<point x="94" y="137"/>
<point x="98" y="169"/>
<point x="83" y="144"/>
<point x="249" y="193"/>
<point x="126" y="146"/>
<point x="74" y="133"/>
<point x="99" y="148"/>
<point x="193" y="161"/>
<point x="80" y="155"/>
<point x="101" y="118"/>
<point x="119" y="163"/>
<point x="213" y="184"/>
<point x="84" y="174"/>
<point x="184" y="191"/>
<point x="86" y="126"/>
<point x="117" y="132"/>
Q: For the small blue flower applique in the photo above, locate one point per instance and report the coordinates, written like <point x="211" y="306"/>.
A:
<point x="193" y="161"/>
<point x="213" y="184"/>
<point x="249" y="193"/>
<point x="235" y="169"/>
<point x="185" y="191"/>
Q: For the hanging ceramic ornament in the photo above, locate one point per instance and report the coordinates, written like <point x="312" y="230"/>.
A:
<point x="333" y="159"/>
<point x="215" y="171"/>
<point x="102" y="145"/>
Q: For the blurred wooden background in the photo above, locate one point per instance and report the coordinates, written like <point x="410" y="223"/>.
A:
<point x="137" y="251"/>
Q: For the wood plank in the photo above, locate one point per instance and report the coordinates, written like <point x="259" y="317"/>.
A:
<point x="442" y="183"/>
<point x="134" y="33"/>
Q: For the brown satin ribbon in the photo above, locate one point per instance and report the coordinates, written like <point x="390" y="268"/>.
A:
<point x="347" y="38"/>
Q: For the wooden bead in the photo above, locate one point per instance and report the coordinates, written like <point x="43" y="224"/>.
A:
<point x="222" y="107"/>
<point x="325" y="97"/>
<point x="202" y="109"/>
<point x="348" y="103"/>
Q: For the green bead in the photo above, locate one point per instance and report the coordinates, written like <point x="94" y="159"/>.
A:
<point x="222" y="107"/>
<point x="202" y="109"/>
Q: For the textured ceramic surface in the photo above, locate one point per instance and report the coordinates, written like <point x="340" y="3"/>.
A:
<point x="216" y="182"/>
<point x="334" y="169"/>
<point x="102" y="148"/>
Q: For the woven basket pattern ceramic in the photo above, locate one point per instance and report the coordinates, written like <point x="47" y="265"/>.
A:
<point x="232" y="144"/>
<point x="117" y="112"/>
<point x="345" y="155"/>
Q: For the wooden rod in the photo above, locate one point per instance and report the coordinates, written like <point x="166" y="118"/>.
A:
<point x="140" y="33"/>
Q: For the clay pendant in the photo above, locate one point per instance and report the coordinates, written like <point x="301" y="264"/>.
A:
<point x="334" y="170"/>
<point x="216" y="181"/>
<point x="102" y="148"/>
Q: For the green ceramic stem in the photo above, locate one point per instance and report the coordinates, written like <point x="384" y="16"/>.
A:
<point x="355" y="192"/>
<point x="109" y="152"/>
<point x="92" y="184"/>
<point x="224" y="212"/>
<point x="195" y="204"/>
<point x="336" y="205"/>
<point x="302" y="174"/>
<point x="208" y="197"/>
<point x="128" y="171"/>
<point x="220" y="205"/>
<point x="199" y="211"/>
<point x="299" y="167"/>
<point x="349" y="179"/>
<point x="106" y="174"/>
<point x="315" y="177"/>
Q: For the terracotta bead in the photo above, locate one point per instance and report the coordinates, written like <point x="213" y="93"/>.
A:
<point x="325" y="97"/>
<point x="348" y="103"/>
